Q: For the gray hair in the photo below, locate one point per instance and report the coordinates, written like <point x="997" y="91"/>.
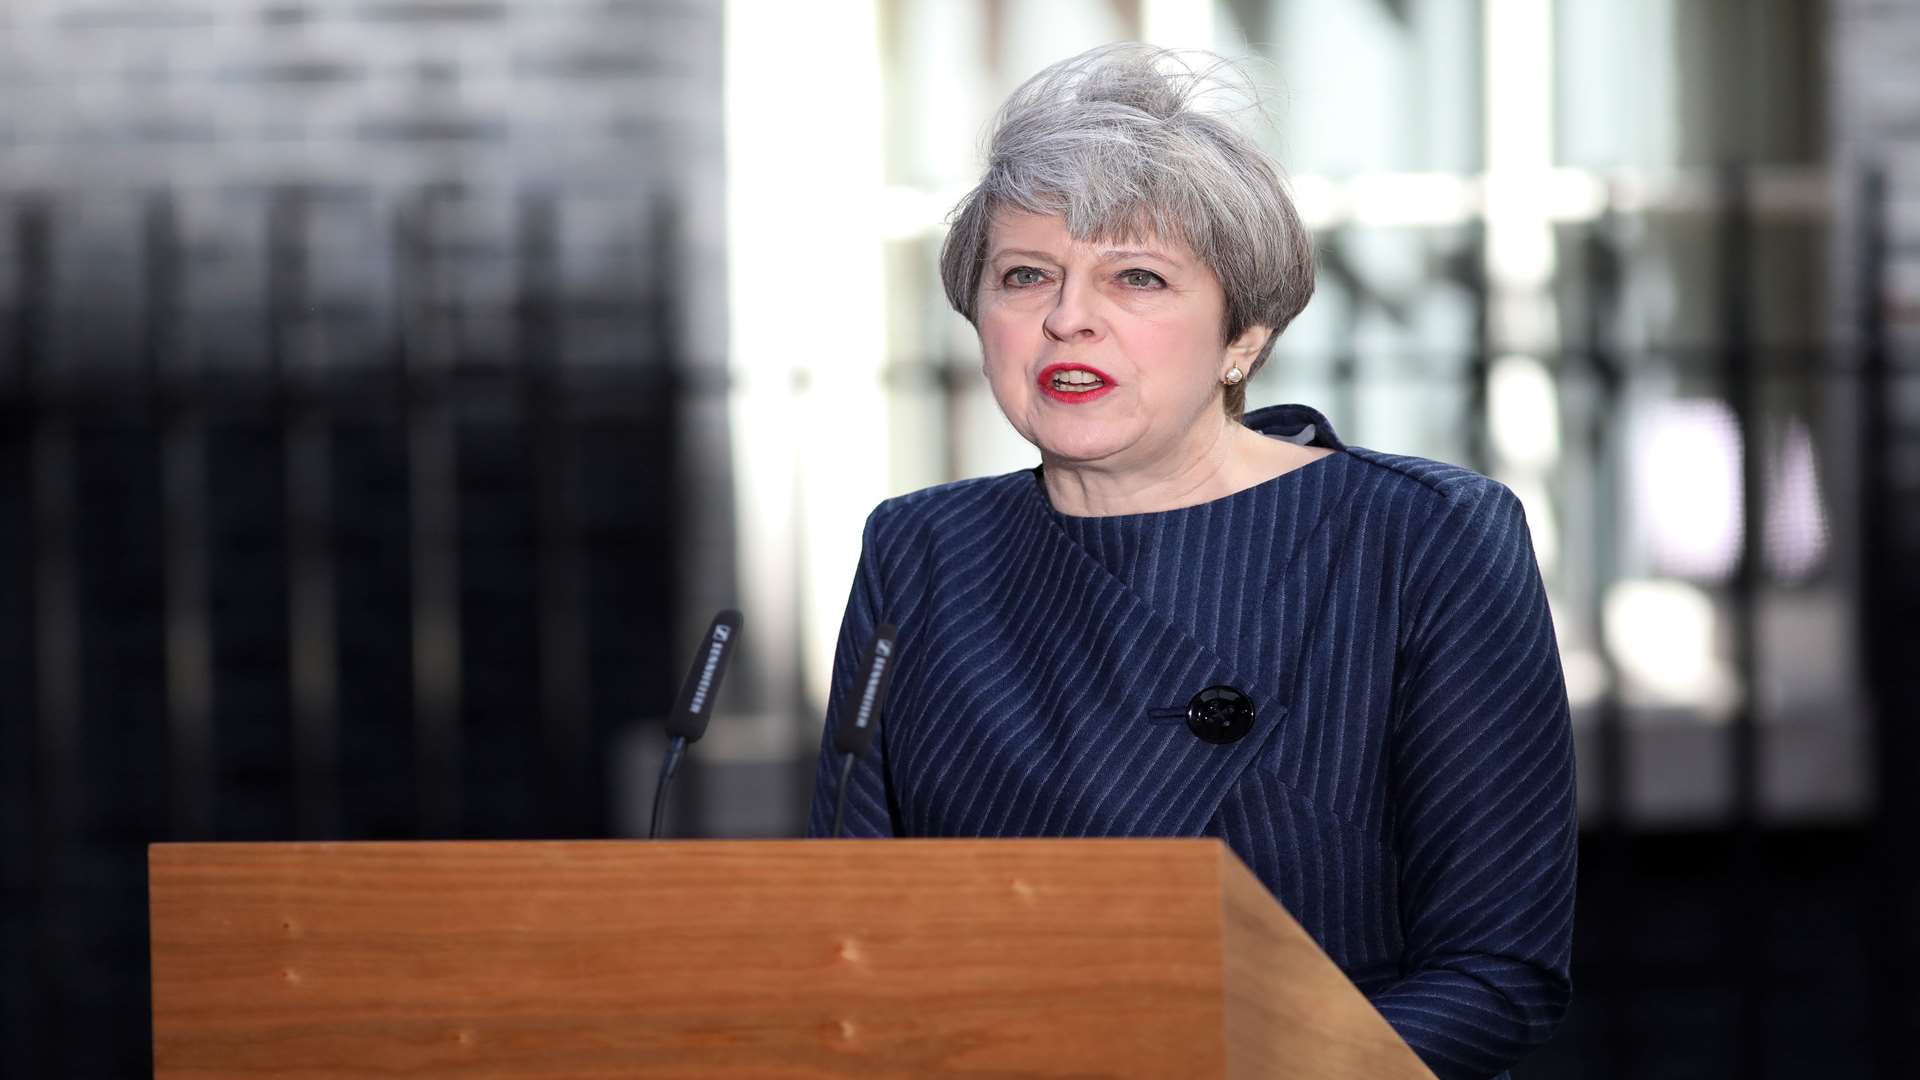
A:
<point x="1115" y="141"/>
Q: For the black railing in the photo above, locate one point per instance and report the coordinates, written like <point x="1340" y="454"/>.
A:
<point x="374" y="592"/>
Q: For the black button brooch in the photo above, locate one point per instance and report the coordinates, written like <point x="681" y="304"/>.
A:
<point x="1220" y="714"/>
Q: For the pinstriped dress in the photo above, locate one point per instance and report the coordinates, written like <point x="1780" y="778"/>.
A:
<point x="1406" y="786"/>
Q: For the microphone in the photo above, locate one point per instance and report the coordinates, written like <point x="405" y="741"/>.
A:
<point x="693" y="709"/>
<point x="855" y="732"/>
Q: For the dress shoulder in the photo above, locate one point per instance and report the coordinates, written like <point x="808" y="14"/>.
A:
<point x="1441" y="477"/>
<point x="957" y="505"/>
<point x="1450" y="489"/>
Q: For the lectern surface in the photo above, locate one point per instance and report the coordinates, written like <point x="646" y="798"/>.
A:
<point x="754" y="958"/>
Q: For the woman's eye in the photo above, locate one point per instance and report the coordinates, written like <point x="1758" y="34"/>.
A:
<point x="1141" y="279"/>
<point x="1024" y="275"/>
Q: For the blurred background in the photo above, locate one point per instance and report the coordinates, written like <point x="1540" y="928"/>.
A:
<point x="391" y="390"/>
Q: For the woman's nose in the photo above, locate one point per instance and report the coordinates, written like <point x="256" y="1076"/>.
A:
<point x="1072" y="316"/>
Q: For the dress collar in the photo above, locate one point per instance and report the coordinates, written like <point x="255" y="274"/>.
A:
<point x="1301" y="424"/>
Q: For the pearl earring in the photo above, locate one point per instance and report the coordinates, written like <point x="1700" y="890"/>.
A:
<point x="1233" y="376"/>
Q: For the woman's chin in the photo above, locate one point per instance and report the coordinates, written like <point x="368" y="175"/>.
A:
<point x="1080" y="442"/>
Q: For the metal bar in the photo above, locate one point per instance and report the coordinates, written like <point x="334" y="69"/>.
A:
<point x="1747" y="934"/>
<point x="562" y="633"/>
<point x="1344" y="365"/>
<point x="183" y="461"/>
<point x="1479" y="278"/>
<point x="18" y="798"/>
<point x="312" y="661"/>
<point x="421" y="362"/>
<point x="56" y="630"/>
<point x="312" y="628"/>
<point x="1606" y="451"/>
<point x="1745" y="398"/>
<point x="1892" y="876"/>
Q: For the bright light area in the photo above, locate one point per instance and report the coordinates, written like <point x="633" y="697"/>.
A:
<point x="1662" y="635"/>
<point x="1523" y="412"/>
<point x="1686" y="486"/>
<point x="1586" y="674"/>
<point x="1519" y="119"/>
<point x="1796" y="509"/>
<point x="1178" y="24"/>
<point x="807" y="299"/>
<point x="1542" y="524"/>
<point x="1406" y="199"/>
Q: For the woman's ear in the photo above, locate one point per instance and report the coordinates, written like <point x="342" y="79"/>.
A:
<point x="1245" y="349"/>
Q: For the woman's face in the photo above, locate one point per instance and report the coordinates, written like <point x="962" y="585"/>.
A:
<point x="1105" y="354"/>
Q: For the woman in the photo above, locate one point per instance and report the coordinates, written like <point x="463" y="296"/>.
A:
<point x="1187" y="622"/>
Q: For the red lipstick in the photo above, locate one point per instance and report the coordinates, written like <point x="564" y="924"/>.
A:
<point x="1073" y="397"/>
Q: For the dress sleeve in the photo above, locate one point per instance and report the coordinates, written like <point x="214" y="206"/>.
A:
<point x="1482" y="796"/>
<point x="869" y="805"/>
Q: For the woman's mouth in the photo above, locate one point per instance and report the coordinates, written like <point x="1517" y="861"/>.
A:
<point x="1074" y="384"/>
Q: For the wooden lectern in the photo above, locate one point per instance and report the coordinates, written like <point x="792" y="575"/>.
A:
<point x="908" y="958"/>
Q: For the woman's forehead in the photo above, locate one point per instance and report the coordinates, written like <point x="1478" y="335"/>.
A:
<point x="1016" y="229"/>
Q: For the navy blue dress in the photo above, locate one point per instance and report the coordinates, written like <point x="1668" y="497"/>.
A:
<point x="1405" y="788"/>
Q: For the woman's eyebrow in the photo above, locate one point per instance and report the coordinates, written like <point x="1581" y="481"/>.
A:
<point x="1139" y="253"/>
<point x="1113" y="255"/>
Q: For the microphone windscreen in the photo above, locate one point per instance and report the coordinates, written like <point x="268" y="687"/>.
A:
<point x="690" y="713"/>
<point x="862" y="713"/>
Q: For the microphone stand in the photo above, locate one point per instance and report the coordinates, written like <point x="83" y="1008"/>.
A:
<point x="669" y="765"/>
<point x="840" y="798"/>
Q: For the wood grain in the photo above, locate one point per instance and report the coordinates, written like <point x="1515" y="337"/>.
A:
<point x="1037" y="958"/>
